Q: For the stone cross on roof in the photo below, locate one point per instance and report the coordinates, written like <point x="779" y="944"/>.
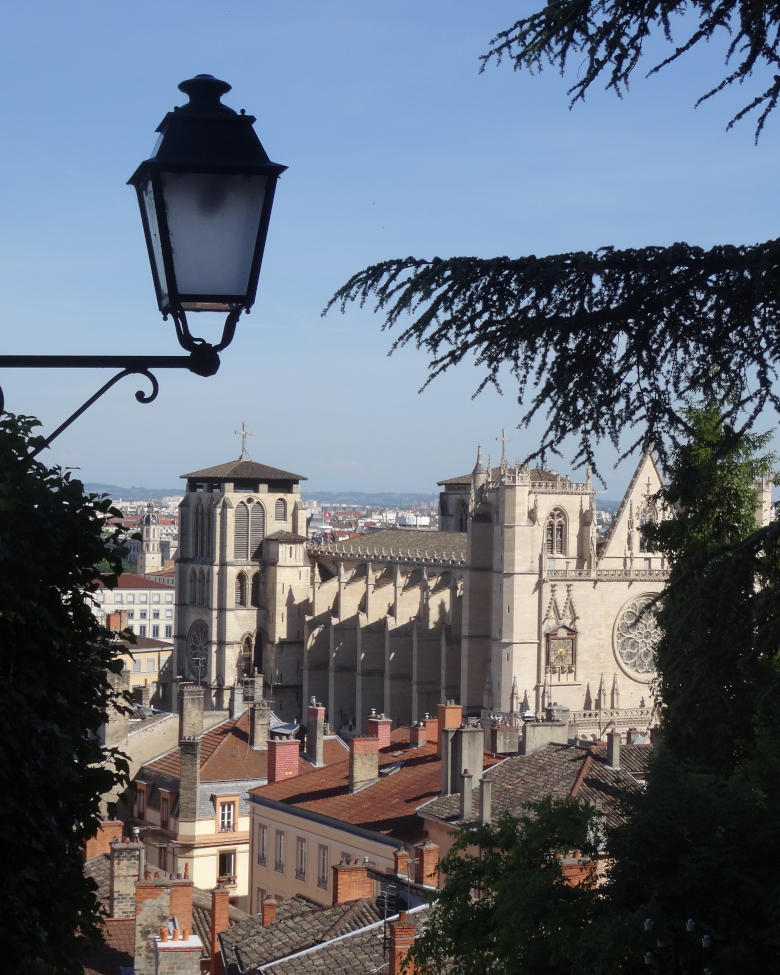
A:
<point x="243" y="433"/>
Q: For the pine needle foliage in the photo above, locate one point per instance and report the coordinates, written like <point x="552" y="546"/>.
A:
<point x="607" y="39"/>
<point x="597" y="342"/>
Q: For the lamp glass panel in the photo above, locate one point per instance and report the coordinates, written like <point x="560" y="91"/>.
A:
<point x="213" y="221"/>
<point x="147" y="197"/>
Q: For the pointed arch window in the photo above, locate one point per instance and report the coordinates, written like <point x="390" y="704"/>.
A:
<point x="202" y="588"/>
<point x="462" y="517"/>
<point x="555" y="533"/>
<point x="280" y="510"/>
<point x="240" y="589"/>
<point x="193" y="588"/>
<point x="241" y="532"/>
<point x="256" y="529"/>
<point x="256" y="589"/>
<point x="247" y="653"/>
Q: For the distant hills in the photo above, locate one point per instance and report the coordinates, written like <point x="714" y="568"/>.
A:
<point x="130" y="493"/>
<point x="358" y="499"/>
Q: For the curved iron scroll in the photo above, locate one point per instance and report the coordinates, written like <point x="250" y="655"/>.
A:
<point x="139" y="395"/>
<point x="127" y="365"/>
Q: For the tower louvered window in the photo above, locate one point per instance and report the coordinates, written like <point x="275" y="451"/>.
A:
<point x="257" y="529"/>
<point x="202" y="589"/>
<point x="256" y="589"/>
<point x="281" y="510"/>
<point x="241" y="543"/>
<point x="193" y="588"/>
<point x="240" y="589"/>
<point x="198" y="533"/>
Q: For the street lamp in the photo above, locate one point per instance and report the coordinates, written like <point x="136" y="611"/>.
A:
<point x="205" y="197"/>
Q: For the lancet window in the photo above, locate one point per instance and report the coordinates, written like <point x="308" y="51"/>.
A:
<point x="555" y="533"/>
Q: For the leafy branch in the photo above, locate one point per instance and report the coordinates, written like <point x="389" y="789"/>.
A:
<point x="603" y="340"/>
<point x="611" y="35"/>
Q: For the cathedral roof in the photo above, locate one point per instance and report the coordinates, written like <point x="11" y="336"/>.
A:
<point x="389" y="544"/>
<point x="245" y="470"/>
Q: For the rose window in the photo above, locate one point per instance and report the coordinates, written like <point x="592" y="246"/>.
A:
<point x="637" y="636"/>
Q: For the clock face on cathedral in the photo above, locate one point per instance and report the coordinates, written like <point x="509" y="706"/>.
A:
<point x="197" y="650"/>
<point x="636" y="636"/>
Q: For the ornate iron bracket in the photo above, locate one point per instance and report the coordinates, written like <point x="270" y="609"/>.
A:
<point x="203" y="360"/>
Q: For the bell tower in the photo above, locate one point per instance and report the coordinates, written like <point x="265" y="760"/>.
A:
<point x="150" y="555"/>
<point x="229" y="518"/>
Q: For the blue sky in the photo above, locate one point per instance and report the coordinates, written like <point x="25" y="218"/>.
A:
<point x="396" y="145"/>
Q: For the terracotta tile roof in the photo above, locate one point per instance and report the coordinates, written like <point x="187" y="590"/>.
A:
<point x="557" y="771"/>
<point x="126" y="580"/>
<point x="225" y="755"/>
<point x="245" y="470"/>
<point x="118" y="952"/>
<point x="255" y="946"/>
<point x="387" y="806"/>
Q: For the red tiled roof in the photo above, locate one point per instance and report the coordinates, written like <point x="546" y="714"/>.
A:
<point x="387" y="806"/>
<point x="118" y="951"/>
<point x="127" y="580"/>
<point x="225" y="755"/>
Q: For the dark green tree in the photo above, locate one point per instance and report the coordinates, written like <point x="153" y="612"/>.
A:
<point x="507" y="907"/>
<point x="55" y="663"/>
<point x="700" y="845"/>
<point x="702" y="842"/>
<point x="605" y="340"/>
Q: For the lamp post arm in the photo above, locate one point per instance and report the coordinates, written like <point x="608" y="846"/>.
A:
<point x="204" y="361"/>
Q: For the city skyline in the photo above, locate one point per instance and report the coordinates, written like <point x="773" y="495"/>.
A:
<point x="396" y="145"/>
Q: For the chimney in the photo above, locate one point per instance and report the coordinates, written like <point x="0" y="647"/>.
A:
<point x="351" y="882"/>
<point x="459" y="749"/>
<point x="613" y="749"/>
<point x="380" y="727"/>
<point x="427" y="867"/>
<point x="190" y="711"/>
<point x="486" y="801"/>
<point x="401" y="940"/>
<point x="126" y="867"/>
<point x="114" y="622"/>
<point x="315" y="732"/>
<point x="449" y="717"/>
<point x="283" y="758"/>
<point x="220" y="920"/>
<point x="401" y="863"/>
<point x="236" y="702"/>
<point x="538" y="734"/>
<point x="259" y="726"/>
<point x="189" y="779"/>
<point x="165" y="904"/>
<point x="363" y="763"/>
<point x="99" y="844"/>
<point x="417" y="734"/>
<point x="268" y="910"/>
<point x="253" y="687"/>
<point x="431" y="726"/>
<point x="466" y="795"/>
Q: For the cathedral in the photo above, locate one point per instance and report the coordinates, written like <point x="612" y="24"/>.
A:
<point x="515" y="606"/>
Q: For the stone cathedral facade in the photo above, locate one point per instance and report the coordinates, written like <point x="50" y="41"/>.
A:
<point x="515" y="605"/>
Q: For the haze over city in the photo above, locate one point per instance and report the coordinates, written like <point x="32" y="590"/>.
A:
<point x="395" y="145"/>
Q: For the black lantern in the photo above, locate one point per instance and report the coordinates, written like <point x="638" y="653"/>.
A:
<point x="205" y="198"/>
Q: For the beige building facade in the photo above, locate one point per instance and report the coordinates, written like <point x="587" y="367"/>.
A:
<point x="527" y="608"/>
